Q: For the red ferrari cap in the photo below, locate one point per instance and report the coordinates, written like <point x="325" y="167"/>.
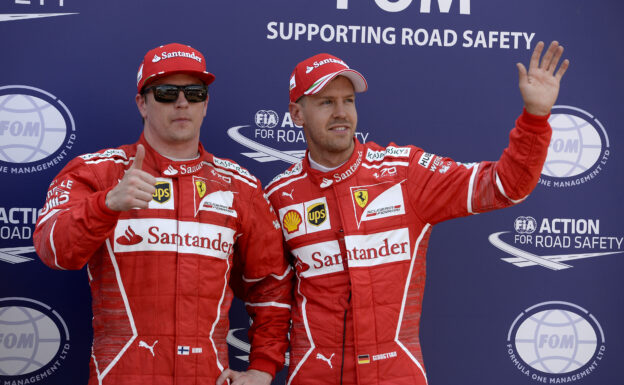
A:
<point x="312" y="74"/>
<point x="172" y="59"/>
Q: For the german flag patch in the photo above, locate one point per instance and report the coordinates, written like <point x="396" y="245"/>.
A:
<point x="363" y="359"/>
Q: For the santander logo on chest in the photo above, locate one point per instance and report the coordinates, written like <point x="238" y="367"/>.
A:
<point x="158" y="235"/>
<point x="361" y="251"/>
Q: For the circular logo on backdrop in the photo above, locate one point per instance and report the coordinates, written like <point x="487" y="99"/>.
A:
<point x="266" y="119"/>
<point x="525" y="225"/>
<point x="34" y="340"/>
<point x="36" y="130"/>
<point x="578" y="150"/>
<point x="556" y="342"/>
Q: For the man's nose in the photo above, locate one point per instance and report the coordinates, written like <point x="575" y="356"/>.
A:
<point x="181" y="100"/>
<point x="339" y="109"/>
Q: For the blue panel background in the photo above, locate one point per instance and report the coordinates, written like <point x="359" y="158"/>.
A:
<point x="455" y="101"/>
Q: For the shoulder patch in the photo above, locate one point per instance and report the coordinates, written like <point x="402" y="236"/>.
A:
<point x="293" y="170"/>
<point x="110" y="153"/>
<point x="425" y="159"/>
<point x="227" y="164"/>
<point x="390" y="151"/>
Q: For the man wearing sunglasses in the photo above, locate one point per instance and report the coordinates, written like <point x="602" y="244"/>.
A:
<point x="357" y="218"/>
<point x="162" y="226"/>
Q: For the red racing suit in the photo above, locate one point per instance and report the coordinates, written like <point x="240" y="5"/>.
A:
<point x="358" y="237"/>
<point x="159" y="276"/>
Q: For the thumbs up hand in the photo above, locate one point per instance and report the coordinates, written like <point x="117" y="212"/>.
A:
<point x="135" y="189"/>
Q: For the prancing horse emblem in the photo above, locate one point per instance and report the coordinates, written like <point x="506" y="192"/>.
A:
<point x="361" y="197"/>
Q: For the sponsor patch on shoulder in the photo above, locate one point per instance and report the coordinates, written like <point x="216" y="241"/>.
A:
<point x="295" y="170"/>
<point x="233" y="166"/>
<point x="425" y="159"/>
<point x="391" y="151"/>
<point x="110" y="153"/>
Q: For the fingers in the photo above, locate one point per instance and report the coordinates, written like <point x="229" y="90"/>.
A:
<point x="227" y="374"/>
<point x="138" y="158"/>
<point x="130" y="193"/>
<point x="548" y="56"/>
<point x="143" y="195"/>
<point x="136" y="189"/>
<point x="550" y="60"/>
<point x="537" y="52"/>
<point x="138" y="185"/>
<point x="136" y="168"/>
<point x="558" y="51"/>
<point x="562" y="69"/>
<point x="222" y="377"/>
<point x="145" y="177"/>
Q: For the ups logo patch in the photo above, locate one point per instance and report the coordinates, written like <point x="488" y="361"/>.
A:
<point x="317" y="214"/>
<point x="162" y="193"/>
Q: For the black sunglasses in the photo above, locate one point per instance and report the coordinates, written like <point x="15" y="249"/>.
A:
<point x="168" y="93"/>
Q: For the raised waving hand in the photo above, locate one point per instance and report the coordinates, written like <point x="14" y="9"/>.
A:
<point x="539" y="85"/>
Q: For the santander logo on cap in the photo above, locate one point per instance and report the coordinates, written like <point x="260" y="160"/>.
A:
<point x="317" y="71"/>
<point x="318" y="64"/>
<point x="172" y="58"/>
<point x="175" y="54"/>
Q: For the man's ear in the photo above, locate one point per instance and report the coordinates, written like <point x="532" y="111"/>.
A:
<point x="140" y="101"/>
<point x="206" y="104"/>
<point x="296" y="113"/>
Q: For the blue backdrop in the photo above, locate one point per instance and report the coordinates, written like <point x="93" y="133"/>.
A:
<point x="527" y="295"/>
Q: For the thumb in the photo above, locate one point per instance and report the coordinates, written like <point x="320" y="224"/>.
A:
<point x="224" y="376"/>
<point x="522" y="73"/>
<point x="138" y="157"/>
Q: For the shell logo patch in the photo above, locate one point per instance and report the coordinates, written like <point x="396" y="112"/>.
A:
<point x="305" y="218"/>
<point x="292" y="221"/>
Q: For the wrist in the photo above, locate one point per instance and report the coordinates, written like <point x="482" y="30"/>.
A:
<point x="537" y="111"/>
<point x="104" y="203"/>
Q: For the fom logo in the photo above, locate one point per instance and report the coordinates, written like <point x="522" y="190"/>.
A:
<point x="34" y="341"/>
<point x="425" y="5"/>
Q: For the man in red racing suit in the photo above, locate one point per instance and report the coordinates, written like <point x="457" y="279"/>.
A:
<point x="357" y="226"/>
<point x="160" y="273"/>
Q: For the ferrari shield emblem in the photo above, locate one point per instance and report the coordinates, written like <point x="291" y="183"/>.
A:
<point x="361" y="197"/>
<point x="201" y="188"/>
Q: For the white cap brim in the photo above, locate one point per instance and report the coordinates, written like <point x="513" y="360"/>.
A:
<point x="356" y="78"/>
